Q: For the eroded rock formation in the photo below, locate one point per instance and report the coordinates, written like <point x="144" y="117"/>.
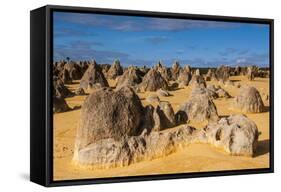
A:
<point x="248" y="100"/>
<point x="115" y="70"/>
<point x="200" y="107"/>
<point x="236" y="134"/>
<point x="153" y="81"/>
<point x="131" y="77"/>
<point x="92" y="76"/>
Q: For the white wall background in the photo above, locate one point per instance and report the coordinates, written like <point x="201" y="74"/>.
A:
<point x="14" y="96"/>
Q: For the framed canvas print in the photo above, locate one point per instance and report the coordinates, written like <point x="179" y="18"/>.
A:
<point x="119" y="95"/>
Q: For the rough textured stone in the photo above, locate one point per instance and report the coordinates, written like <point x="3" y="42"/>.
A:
<point x="223" y="73"/>
<point x="148" y="121"/>
<point x="92" y="76"/>
<point x="220" y="92"/>
<point x="131" y="77"/>
<point x="248" y="100"/>
<point x="115" y="70"/>
<point x="153" y="81"/>
<point x="197" y="72"/>
<point x="237" y="70"/>
<point x="108" y="153"/>
<point x="65" y="77"/>
<point x="187" y="69"/>
<point x="60" y="90"/>
<point x="236" y="134"/>
<point x="105" y="68"/>
<point x="211" y="76"/>
<point x="109" y="114"/>
<point x="175" y="70"/>
<point x="184" y="77"/>
<point x="164" y="71"/>
<point x="199" y="108"/>
<point x="208" y="92"/>
<point x="159" y="118"/>
<point x="75" y="71"/>
<point x="59" y="105"/>
<point x="197" y="81"/>
<point x="167" y="115"/>
<point x="250" y="73"/>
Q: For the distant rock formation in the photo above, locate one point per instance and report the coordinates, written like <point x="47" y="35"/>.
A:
<point x="75" y="71"/>
<point x="200" y="106"/>
<point x="250" y="73"/>
<point x="105" y="68"/>
<point x="237" y="70"/>
<point x="115" y="70"/>
<point x="65" y="77"/>
<point x="131" y="77"/>
<point x="220" y="92"/>
<point x="175" y="70"/>
<point x="197" y="81"/>
<point x="212" y="94"/>
<point x="223" y="73"/>
<point x="164" y="71"/>
<point x="248" y="100"/>
<point x="93" y="76"/>
<point x="153" y="81"/>
<point x="60" y="90"/>
<point x="184" y="76"/>
<point x="197" y="72"/>
<point x="187" y="68"/>
<point x="211" y="76"/>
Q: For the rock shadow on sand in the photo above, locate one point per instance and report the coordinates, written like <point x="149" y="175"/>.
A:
<point x="266" y="109"/>
<point x="75" y="108"/>
<point x="263" y="148"/>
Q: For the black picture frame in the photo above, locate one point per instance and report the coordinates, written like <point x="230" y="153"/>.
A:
<point x="41" y="132"/>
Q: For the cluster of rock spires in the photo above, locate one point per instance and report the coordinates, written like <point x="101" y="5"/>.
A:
<point x="65" y="73"/>
<point x="115" y="129"/>
<point x="131" y="77"/>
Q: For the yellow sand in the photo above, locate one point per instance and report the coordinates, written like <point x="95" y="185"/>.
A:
<point x="194" y="158"/>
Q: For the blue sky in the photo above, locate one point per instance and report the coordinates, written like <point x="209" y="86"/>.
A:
<point x="145" y="40"/>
